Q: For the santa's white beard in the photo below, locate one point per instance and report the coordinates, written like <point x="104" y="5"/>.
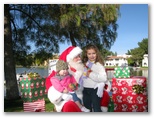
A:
<point x="77" y="65"/>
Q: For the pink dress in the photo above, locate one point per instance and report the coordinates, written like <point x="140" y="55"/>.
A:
<point x="65" y="82"/>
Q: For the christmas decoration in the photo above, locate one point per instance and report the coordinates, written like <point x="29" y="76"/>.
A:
<point x="122" y="72"/>
<point x="36" y="106"/>
<point x="129" y="95"/>
<point x="32" y="89"/>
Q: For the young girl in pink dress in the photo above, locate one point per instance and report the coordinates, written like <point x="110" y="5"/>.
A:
<point x="66" y="84"/>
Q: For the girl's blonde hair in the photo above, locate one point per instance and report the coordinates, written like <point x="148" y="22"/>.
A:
<point x="98" y="55"/>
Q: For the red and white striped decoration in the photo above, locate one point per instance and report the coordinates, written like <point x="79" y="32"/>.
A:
<point x="37" y="106"/>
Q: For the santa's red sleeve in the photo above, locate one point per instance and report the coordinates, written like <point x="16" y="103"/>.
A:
<point x="48" y="83"/>
<point x="105" y="99"/>
<point x="71" y="106"/>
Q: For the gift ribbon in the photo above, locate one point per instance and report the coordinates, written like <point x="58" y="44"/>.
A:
<point x="31" y="75"/>
<point x="138" y="89"/>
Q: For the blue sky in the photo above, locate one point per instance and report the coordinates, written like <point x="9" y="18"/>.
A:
<point x="133" y="28"/>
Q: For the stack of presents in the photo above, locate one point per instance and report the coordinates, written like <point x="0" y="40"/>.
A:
<point x="129" y="93"/>
<point x="33" y="92"/>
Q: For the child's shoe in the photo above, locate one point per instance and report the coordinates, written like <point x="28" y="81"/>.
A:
<point x="84" y="109"/>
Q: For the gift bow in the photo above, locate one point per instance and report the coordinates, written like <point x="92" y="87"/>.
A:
<point x="138" y="89"/>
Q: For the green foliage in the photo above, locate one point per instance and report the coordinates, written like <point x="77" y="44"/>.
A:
<point x="144" y="45"/>
<point x="130" y="62"/>
<point x="128" y="53"/>
<point x="40" y="56"/>
<point x="137" y="53"/>
<point x="45" y="26"/>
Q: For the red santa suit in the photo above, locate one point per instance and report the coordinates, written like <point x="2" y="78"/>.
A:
<point x="76" y="69"/>
<point x="55" y="96"/>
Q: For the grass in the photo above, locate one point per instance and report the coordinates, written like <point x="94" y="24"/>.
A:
<point x="17" y="105"/>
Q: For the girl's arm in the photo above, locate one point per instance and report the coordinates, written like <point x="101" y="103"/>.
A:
<point x="56" y="84"/>
<point x="98" y="73"/>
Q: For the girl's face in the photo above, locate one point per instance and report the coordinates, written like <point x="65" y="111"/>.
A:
<point x="63" y="72"/>
<point x="91" y="54"/>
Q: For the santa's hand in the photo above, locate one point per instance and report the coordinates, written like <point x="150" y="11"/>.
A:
<point x="67" y="97"/>
<point x="100" y="88"/>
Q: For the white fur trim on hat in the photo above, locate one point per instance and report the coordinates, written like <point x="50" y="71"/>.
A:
<point x="75" y="51"/>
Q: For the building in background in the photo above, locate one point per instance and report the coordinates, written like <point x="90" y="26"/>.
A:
<point x="145" y="60"/>
<point x="119" y="60"/>
<point x="52" y="65"/>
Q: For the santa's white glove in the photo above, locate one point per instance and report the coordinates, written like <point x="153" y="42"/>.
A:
<point x="67" y="97"/>
<point x="100" y="89"/>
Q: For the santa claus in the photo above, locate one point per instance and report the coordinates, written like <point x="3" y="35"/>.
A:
<point x="72" y="55"/>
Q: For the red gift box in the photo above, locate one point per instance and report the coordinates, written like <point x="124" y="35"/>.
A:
<point x="36" y="106"/>
<point x="130" y="94"/>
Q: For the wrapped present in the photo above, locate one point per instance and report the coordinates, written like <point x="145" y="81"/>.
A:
<point x="130" y="94"/>
<point x="32" y="89"/>
<point x="122" y="72"/>
<point x="36" y="106"/>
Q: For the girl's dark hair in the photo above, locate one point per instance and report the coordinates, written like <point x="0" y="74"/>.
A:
<point x="98" y="55"/>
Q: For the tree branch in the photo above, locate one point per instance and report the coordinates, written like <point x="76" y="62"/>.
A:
<point x="28" y="16"/>
<point x="14" y="28"/>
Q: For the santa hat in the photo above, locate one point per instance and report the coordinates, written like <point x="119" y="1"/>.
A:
<point x="70" y="53"/>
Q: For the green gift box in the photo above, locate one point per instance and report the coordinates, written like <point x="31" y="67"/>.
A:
<point x="122" y="72"/>
<point x="32" y="89"/>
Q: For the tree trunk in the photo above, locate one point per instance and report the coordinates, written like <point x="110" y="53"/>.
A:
<point x="72" y="39"/>
<point x="12" y="91"/>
